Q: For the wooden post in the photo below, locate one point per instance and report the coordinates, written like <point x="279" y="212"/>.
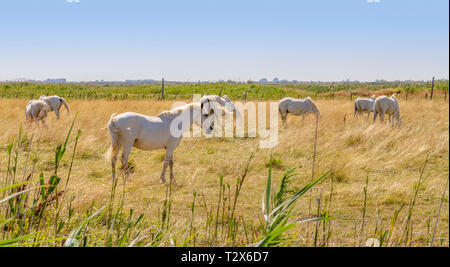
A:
<point x="351" y="96"/>
<point x="162" y="89"/>
<point x="432" y="89"/>
<point x="426" y="95"/>
<point x="445" y="95"/>
<point x="406" y="97"/>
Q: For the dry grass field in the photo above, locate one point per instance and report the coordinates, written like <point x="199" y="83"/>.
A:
<point x="354" y="149"/>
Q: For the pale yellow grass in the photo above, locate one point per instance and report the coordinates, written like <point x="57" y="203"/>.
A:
<point x="354" y="148"/>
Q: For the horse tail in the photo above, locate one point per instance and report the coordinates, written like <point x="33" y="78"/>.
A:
<point x="355" y="107"/>
<point x="115" y="145"/>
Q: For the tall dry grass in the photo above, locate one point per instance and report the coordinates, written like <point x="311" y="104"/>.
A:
<point x="353" y="148"/>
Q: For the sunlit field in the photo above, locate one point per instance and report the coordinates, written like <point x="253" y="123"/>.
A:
<point x="381" y="182"/>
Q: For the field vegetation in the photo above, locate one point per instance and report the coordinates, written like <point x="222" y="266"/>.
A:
<point x="247" y="90"/>
<point x="369" y="181"/>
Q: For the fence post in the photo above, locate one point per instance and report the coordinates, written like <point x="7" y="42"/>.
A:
<point x="432" y="89"/>
<point x="426" y="95"/>
<point x="351" y="96"/>
<point x="162" y="89"/>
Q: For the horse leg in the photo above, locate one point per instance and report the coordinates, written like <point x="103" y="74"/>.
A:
<point x="167" y="160"/>
<point x="114" y="152"/>
<point x="368" y="115"/>
<point x="283" y="117"/>
<point x="382" y="117"/>
<point x="125" y="153"/>
<point x="172" y="177"/>
<point x="44" y="123"/>
<point x="375" y="114"/>
<point x="57" y="113"/>
<point x="169" y="157"/>
<point x="41" y="118"/>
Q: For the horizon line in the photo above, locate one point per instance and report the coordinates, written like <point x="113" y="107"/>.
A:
<point x="150" y="80"/>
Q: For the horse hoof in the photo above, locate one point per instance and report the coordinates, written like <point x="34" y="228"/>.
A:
<point x="163" y="181"/>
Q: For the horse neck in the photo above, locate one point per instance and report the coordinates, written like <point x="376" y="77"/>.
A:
<point x="190" y="111"/>
<point x="191" y="114"/>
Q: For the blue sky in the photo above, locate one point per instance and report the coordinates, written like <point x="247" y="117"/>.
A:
<point x="326" y="40"/>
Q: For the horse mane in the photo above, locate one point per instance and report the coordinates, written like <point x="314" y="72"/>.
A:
<point x="310" y="99"/>
<point x="177" y="111"/>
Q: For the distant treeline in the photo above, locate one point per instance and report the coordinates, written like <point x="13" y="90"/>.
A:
<point x="233" y="90"/>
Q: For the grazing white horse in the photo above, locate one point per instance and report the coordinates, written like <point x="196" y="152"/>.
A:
<point x="55" y="103"/>
<point x="164" y="131"/>
<point x="223" y="101"/>
<point x="364" y="105"/>
<point x="297" y="107"/>
<point x="37" y="110"/>
<point x="387" y="105"/>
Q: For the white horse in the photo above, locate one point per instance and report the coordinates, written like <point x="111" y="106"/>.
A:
<point x="55" y="102"/>
<point x="37" y="110"/>
<point x="223" y="101"/>
<point x="387" y="105"/>
<point x="149" y="133"/>
<point x="364" y="105"/>
<point x="297" y="107"/>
